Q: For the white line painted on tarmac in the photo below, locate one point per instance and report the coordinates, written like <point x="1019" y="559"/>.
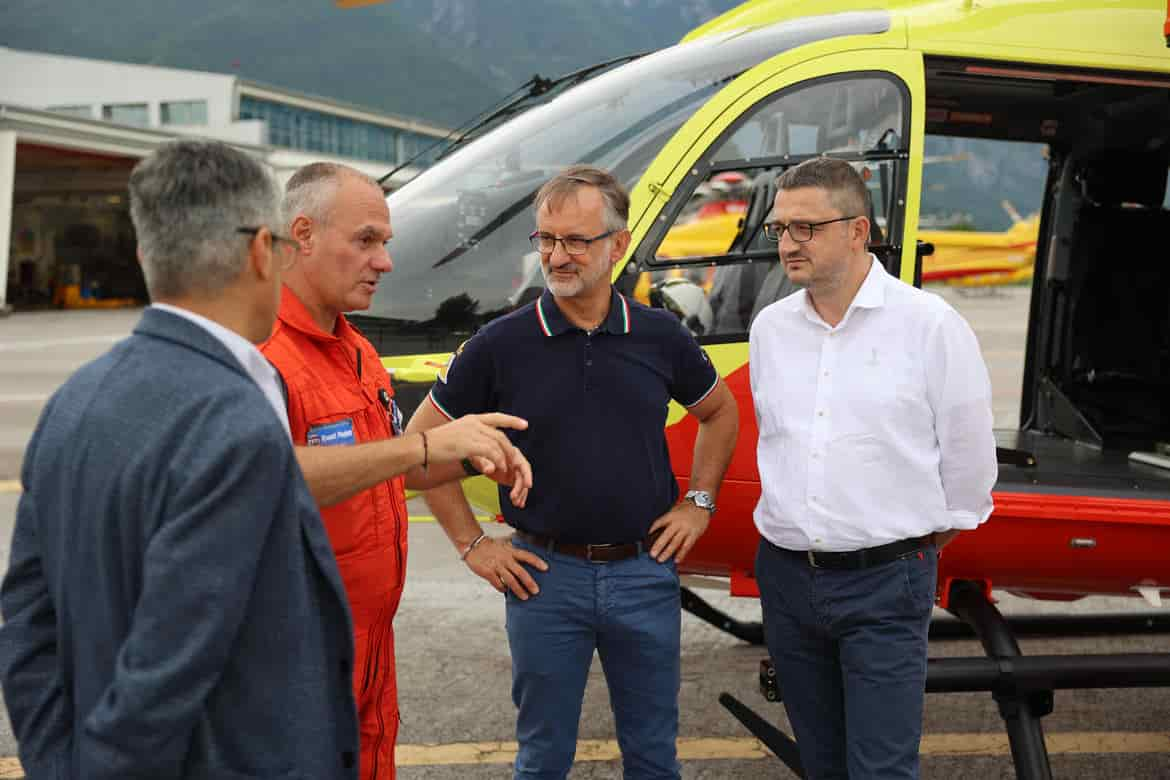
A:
<point x="24" y="398"/>
<point x="13" y="486"/>
<point x="33" y="346"/>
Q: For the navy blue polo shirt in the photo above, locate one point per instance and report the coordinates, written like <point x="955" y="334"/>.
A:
<point x="596" y="407"/>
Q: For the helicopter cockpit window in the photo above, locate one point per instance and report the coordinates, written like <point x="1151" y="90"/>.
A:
<point x="709" y="261"/>
<point x="461" y="251"/>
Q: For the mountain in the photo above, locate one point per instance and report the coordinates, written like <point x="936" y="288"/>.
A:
<point x="448" y="60"/>
<point x="438" y="60"/>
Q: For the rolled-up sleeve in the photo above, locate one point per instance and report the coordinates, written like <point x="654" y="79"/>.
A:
<point x="959" y="392"/>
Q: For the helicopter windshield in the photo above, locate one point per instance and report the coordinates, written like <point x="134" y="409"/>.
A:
<point x="461" y="251"/>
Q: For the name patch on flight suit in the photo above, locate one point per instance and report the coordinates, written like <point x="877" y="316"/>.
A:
<point x="332" y="434"/>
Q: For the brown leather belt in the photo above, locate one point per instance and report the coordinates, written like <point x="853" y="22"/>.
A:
<point x="595" y="553"/>
<point x="862" y="559"/>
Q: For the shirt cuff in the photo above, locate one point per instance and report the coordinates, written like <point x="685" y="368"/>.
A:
<point x="962" y="520"/>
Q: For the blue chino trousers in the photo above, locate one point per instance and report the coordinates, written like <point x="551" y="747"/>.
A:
<point x="629" y="612"/>
<point x="850" y="654"/>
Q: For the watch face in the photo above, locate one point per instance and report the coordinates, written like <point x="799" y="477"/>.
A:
<point x="701" y="499"/>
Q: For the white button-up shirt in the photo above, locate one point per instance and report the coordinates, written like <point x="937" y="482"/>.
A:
<point x="251" y="360"/>
<point x="876" y="430"/>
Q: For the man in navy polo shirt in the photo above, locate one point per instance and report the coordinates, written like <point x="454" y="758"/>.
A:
<point x="591" y="565"/>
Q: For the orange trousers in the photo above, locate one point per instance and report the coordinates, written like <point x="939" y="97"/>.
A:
<point x="375" y="684"/>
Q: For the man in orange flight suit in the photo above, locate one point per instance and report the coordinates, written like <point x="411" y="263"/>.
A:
<point x="348" y="429"/>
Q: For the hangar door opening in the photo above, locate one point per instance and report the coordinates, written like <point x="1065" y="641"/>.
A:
<point x="72" y="244"/>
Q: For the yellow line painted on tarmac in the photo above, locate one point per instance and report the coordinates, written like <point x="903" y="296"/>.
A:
<point x="431" y="519"/>
<point x="746" y="748"/>
<point x="1068" y="743"/>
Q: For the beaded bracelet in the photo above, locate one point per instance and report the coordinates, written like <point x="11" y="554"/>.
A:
<point x="472" y="546"/>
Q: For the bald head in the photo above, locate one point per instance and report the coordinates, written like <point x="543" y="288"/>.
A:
<point x="313" y="188"/>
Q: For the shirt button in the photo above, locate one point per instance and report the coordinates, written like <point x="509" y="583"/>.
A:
<point x="588" y="362"/>
<point x="826" y="373"/>
<point x="815" y="456"/>
<point x="821" y="413"/>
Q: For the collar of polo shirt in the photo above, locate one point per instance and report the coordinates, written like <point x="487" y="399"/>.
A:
<point x="554" y="323"/>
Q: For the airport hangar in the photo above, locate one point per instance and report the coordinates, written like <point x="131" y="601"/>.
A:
<point x="72" y="128"/>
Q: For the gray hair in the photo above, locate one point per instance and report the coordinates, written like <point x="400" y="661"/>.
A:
<point x="568" y="181"/>
<point x="187" y="201"/>
<point x="844" y="185"/>
<point x="311" y="189"/>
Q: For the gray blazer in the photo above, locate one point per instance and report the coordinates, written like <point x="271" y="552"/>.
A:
<point x="172" y="606"/>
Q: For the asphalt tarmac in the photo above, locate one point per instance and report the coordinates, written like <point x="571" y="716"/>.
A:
<point x="453" y="663"/>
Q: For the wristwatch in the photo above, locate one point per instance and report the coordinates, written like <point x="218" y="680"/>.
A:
<point x="701" y="498"/>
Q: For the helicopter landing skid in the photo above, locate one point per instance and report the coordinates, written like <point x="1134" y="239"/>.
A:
<point x="1022" y="686"/>
<point x="752" y="633"/>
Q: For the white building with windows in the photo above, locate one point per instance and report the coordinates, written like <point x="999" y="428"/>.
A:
<point x="72" y="128"/>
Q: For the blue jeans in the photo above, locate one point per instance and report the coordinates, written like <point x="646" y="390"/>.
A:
<point x="850" y="655"/>
<point x="629" y="612"/>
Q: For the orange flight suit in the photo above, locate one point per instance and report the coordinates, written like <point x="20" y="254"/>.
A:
<point x="339" y="394"/>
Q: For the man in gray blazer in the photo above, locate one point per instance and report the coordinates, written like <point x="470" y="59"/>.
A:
<point x="172" y="607"/>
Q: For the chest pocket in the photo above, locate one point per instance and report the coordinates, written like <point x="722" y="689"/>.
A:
<point x="327" y="408"/>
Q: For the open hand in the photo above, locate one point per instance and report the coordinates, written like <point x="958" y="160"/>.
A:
<point x="680" y="528"/>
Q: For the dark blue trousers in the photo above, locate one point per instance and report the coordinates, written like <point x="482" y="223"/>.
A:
<point x="629" y="613"/>
<point x="850" y="655"/>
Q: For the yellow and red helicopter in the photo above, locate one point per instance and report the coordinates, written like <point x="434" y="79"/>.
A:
<point x="1083" y="497"/>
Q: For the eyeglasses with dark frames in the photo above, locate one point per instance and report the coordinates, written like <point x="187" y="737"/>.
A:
<point x="800" y="231"/>
<point x="546" y="243"/>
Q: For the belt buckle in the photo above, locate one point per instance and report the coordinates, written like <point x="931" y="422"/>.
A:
<point x="812" y="559"/>
<point x="589" y="548"/>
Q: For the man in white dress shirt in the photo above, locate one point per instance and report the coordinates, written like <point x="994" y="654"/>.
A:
<point x="875" y="450"/>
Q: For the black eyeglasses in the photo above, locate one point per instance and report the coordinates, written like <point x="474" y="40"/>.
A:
<point x="546" y="243"/>
<point x="291" y="245"/>
<point x="800" y="231"/>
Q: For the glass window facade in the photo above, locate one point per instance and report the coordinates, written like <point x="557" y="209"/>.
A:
<point x="316" y="131"/>
<point x="127" y="113"/>
<point x="183" y="112"/>
<point x="427" y="146"/>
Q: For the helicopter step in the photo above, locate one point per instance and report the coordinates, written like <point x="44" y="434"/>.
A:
<point x="1022" y="686"/>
